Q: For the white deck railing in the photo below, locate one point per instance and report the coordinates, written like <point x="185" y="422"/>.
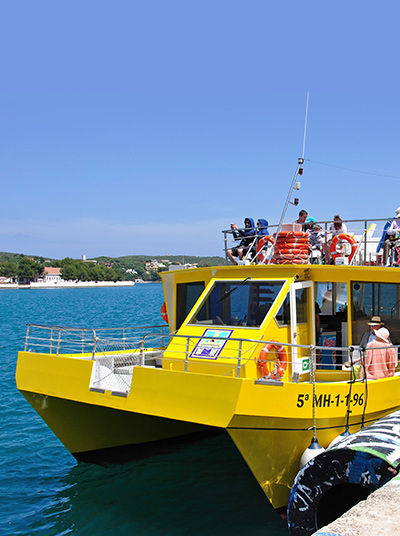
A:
<point x="74" y="340"/>
<point x="367" y="240"/>
<point x="121" y="349"/>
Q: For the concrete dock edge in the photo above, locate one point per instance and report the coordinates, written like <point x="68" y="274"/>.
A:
<point x="378" y="515"/>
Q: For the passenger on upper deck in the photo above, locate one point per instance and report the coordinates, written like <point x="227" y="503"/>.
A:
<point x="248" y="234"/>
<point x="337" y="226"/>
<point x="302" y="218"/>
<point x="309" y="224"/>
<point x="316" y="238"/>
<point x="379" y="359"/>
<point x="393" y="234"/>
<point x="394" y="229"/>
<point x="262" y="227"/>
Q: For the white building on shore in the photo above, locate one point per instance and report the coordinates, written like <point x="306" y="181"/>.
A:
<point x="51" y="275"/>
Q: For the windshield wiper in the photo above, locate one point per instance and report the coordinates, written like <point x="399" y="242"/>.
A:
<point x="229" y="292"/>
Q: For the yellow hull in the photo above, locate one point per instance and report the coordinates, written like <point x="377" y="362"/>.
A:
<point x="86" y="428"/>
<point x="270" y="424"/>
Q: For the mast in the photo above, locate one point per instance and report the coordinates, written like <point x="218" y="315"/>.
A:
<point x="293" y="186"/>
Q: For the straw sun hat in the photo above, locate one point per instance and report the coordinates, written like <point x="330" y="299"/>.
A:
<point x="375" y="321"/>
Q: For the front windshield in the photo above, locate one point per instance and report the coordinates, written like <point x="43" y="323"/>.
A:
<point x="237" y="303"/>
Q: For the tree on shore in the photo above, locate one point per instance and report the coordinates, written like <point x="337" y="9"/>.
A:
<point x="28" y="270"/>
<point x="8" y="269"/>
<point x="77" y="270"/>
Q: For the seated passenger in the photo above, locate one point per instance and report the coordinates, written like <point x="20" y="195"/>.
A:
<point x="316" y="237"/>
<point x="262" y="227"/>
<point x="394" y="229"/>
<point x="248" y="238"/>
<point x="337" y="226"/>
<point x="393" y="234"/>
<point x="309" y="224"/>
<point x="380" y="358"/>
<point x="262" y="230"/>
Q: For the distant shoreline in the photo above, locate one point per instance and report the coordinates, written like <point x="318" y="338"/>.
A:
<point x="69" y="284"/>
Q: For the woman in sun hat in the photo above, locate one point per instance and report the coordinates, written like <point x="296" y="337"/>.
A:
<point x="380" y="357"/>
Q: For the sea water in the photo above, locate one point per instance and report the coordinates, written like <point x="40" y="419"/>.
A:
<point x="194" y="488"/>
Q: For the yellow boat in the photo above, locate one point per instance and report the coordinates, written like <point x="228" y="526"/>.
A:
<point x="240" y="356"/>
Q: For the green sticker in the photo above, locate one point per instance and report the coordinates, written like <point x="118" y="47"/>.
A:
<point x="305" y="365"/>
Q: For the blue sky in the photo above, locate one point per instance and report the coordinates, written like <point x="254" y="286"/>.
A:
<point x="147" y="127"/>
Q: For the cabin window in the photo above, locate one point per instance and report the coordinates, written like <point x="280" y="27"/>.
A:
<point x="237" y="303"/>
<point x="282" y="317"/>
<point x="301" y="305"/>
<point x="331" y="297"/>
<point x="331" y="322"/>
<point x="187" y="295"/>
<point x="371" y="299"/>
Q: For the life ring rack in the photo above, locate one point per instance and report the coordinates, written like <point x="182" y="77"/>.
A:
<point x="260" y="246"/>
<point x="347" y="238"/>
<point x="272" y="369"/>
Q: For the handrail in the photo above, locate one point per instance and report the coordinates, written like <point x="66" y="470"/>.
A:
<point x="366" y="254"/>
<point x="325" y="222"/>
<point x="263" y="341"/>
<point x="128" y="353"/>
<point x="96" y="338"/>
<point x="80" y="328"/>
<point x="73" y="340"/>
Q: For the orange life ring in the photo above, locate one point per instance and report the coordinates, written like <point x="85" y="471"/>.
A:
<point x="293" y="234"/>
<point x="272" y="369"/>
<point x="286" y="254"/>
<point x="164" y="313"/>
<point x="261" y="244"/>
<point x="294" y="241"/>
<point x="285" y="251"/>
<point x="349" y="239"/>
<point x="290" y="261"/>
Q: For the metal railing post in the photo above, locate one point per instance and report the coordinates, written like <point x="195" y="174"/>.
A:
<point x="312" y="364"/>
<point x="350" y="352"/>
<point x="225" y="246"/>
<point x="94" y="344"/>
<point x="187" y="354"/>
<point x="59" y="340"/>
<point x="123" y="338"/>
<point x="365" y="240"/>
<point x="239" y="360"/>
<point x="162" y="336"/>
<point x="27" y="337"/>
<point x="82" y="342"/>
<point x="51" y="340"/>
<point x="326" y="249"/>
<point x="142" y="359"/>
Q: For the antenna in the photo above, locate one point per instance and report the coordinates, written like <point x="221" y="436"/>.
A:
<point x="293" y="186"/>
<point x="305" y="125"/>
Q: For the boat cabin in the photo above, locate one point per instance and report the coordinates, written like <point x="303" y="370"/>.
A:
<point x="222" y="317"/>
